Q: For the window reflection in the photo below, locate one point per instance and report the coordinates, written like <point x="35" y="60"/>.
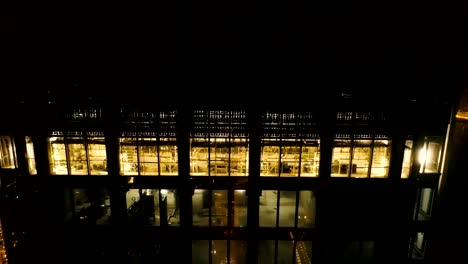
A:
<point x="88" y="206"/>
<point x="211" y="208"/>
<point x="217" y="251"/>
<point x="157" y="207"/>
<point x="7" y="153"/>
<point x="278" y="208"/>
<point x="424" y="204"/>
<point x="284" y="251"/>
<point x="289" y="157"/>
<point x="219" y="156"/>
<point x="30" y="156"/>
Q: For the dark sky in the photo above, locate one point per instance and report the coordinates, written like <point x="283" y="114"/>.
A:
<point x="234" y="46"/>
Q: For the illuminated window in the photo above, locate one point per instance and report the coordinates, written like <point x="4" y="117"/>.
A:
<point x="284" y="251"/>
<point x="77" y="155"/>
<point x="279" y="209"/>
<point x="148" y="156"/>
<point x="219" y="251"/>
<point x="407" y="159"/>
<point x="211" y="208"/>
<point x="30" y="156"/>
<point x="7" y="153"/>
<point x="430" y="156"/>
<point x="219" y="144"/>
<point x="418" y="246"/>
<point x="157" y="207"/>
<point x="219" y="156"/>
<point x="290" y="158"/>
<point x="88" y="206"/>
<point x="425" y="198"/>
<point x="361" y="156"/>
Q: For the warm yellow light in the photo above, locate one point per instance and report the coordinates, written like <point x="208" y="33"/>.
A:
<point x="424" y="156"/>
<point x="163" y="191"/>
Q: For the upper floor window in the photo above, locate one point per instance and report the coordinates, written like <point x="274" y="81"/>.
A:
<point x="7" y="153"/>
<point x="30" y="156"/>
<point x="290" y="157"/>
<point x="77" y="155"/>
<point x="148" y="156"/>
<point x="361" y="156"/>
<point x="430" y="156"/>
<point x="215" y="156"/>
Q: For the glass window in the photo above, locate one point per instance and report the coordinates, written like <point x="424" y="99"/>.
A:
<point x="219" y="156"/>
<point x="128" y="156"/>
<point x="7" y="153"/>
<point x="200" y="251"/>
<point x="290" y="158"/>
<point x="97" y="155"/>
<point x="407" y="159"/>
<point x="381" y="158"/>
<point x="157" y="207"/>
<point x="211" y="208"/>
<point x="430" y="155"/>
<point x="426" y="196"/>
<point x="91" y="206"/>
<point x="266" y="251"/>
<point x="268" y="208"/>
<point x="282" y="209"/>
<point x="30" y="156"/>
<point x="238" y="249"/>
<point x="270" y="158"/>
<point x="239" y="165"/>
<point x="239" y="217"/>
<point x="199" y="157"/>
<point x="148" y="156"/>
<point x="287" y="208"/>
<point x="285" y="251"/>
<point x="219" y="251"/>
<point x="57" y="156"/>
<point x="216" y="251"/>
<point x="310" y="158"/>
<point x="77" y="156"/>
<point x="306" y="210"/>
<point x="341" y="157"/>
<point x="419" y="246"/>
<point x="168" y="157"/>
<point x="361" y="158"/>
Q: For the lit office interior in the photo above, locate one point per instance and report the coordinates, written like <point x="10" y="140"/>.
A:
<point x="148" y="156"/>
<point x="219" y="144"/>
<point x="361" y="156"/>
<point x="78" y="155"/>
